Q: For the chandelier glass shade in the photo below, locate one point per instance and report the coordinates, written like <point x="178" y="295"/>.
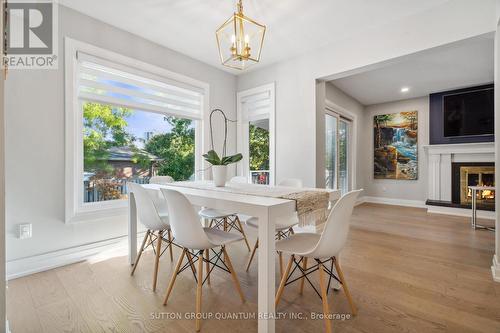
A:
<point x="240" y="40"/>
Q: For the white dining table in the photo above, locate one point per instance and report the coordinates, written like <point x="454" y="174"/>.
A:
<point x="266" y="209"/>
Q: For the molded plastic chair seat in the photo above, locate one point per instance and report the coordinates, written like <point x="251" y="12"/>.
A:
<point x="165" y="219"/>
<point x="190" y="235"/>
<point x="161" y="180"/>
<point x="226" y="220"/>
<point x="283" y="226"/>
<point x="319" y="247"/>
<point x="280" y="224"/>
<point x="152" y="211"/>
<point x="218" y="237"/>
<point x="209" y="213"/>
<point x="298" y="244"/>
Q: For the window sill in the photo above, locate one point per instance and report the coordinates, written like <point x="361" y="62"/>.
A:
<point x="98" y="211"/>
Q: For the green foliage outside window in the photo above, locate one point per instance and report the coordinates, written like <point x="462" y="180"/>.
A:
<point x="103" y="127"/>
<point x="175" y="148"/>
<point x="259" y="148"/>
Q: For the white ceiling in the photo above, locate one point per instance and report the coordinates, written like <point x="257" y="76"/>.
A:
<point x="294" y="26"/>
<point x="458" y="65"/>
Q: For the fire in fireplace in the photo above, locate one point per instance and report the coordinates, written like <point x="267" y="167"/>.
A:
<point x="473" y="174"/>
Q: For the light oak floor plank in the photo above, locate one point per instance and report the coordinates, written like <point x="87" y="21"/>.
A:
<point x="408" y="271"/>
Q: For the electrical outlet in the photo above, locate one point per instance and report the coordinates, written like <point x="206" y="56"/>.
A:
<point x="25" y="231"/>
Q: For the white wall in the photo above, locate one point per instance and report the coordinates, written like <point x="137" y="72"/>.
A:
<point x="296" y="78"/>
<point x="415" y="190"/>
<point x="35" y="136"/>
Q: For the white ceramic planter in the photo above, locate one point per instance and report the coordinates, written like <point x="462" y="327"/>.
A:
<point x="219" y="173"/>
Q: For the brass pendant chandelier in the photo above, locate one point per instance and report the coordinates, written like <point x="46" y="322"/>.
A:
<point x="240" y="40"/>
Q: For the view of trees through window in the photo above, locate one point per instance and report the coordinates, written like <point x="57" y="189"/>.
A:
<point x="259" y="151"/>
<point x="122" y="144"/>
<point x="336" y="154"/>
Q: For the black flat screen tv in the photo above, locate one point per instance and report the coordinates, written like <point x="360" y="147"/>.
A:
<point x="469" y="113"/>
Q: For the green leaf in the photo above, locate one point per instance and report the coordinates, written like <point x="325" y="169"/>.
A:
<point x="231" y="159"/>
<point x="212" y="158"/>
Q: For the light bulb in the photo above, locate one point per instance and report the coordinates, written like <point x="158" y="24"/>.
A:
<point x="247" y="39"/>
<point x="233" y="39"/>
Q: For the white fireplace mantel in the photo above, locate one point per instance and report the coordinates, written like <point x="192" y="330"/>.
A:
<point x="440" y="159"/>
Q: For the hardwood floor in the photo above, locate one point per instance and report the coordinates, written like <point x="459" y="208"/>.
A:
<point x="408" y="271"/>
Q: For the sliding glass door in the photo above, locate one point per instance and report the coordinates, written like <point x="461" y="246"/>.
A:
<point x="337" y="154"/>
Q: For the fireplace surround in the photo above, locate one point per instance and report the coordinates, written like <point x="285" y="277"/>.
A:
<point x="465" y="174"/>
<point x="440" y="162"/>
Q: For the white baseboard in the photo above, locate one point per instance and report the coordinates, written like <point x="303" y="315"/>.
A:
<point x="42" y="262"/>
<point x="392" y="201"/>
<point x="495" y="268"/>
<point x="482" y="214"/>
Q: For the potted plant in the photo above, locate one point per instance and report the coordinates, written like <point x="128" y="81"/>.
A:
<point x="219" y="164"/>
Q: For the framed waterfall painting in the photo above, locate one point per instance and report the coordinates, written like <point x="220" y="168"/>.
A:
<point x="396" y="146"/>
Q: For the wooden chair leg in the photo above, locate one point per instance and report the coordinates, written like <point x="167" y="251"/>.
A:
<point x="140" y="252"/>
<point x="157" y="258"/>
<point x="344" y="286"/>
<point x="253" y="254"/>
<point x="304" y="267"/>
<point x="198" y="291"/>
<point x="207" y="257"/>
<point x="174" y="276"/>
<point x="283" y="281"/>
<point x="324" y="298"/>
<point x="190" y="260"/>
<point x="233" y="274"/>
<point x="211" y="223"/>
<point x="170" y="244"/>
<point x="291" y="231"/>
<point x="243" y="233"/>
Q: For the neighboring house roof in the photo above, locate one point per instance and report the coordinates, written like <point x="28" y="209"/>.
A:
<point x="127" y="153"/>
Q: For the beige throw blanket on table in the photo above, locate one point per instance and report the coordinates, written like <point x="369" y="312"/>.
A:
<point x="311" y="204"/>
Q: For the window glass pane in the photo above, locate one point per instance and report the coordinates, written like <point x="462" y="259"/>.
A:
<point x="258" y="134"/>
<point x="122" y="145"/>
<point x="331" y="151"/>
<point x="343" y="156"/>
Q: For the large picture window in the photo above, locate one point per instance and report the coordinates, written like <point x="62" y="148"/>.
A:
<point x="126" y="121"/>
<point x="123" y="145"/>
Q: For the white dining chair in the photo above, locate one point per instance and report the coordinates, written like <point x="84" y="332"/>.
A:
<point x="226" y="221"/>
<point x="156" y="222"/>
<point x="324" y="248"/>
<point x="161" y="180"/>
<point x="283" y="226"/>
<point x="197" y="243"/>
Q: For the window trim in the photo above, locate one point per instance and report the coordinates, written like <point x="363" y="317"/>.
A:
<point x="75" y="209"/>
<point x="242" y="136"/>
